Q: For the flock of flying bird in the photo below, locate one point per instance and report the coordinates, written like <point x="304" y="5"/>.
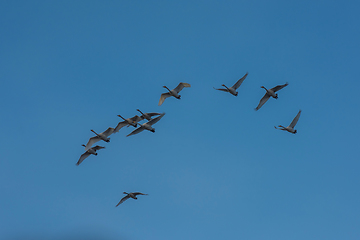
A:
<point x="151" y="120"/>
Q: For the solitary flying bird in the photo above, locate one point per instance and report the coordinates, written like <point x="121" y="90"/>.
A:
<point x="232" y="89"/>
<point x="88" y="153"/>
<point x="290" y="128"/>
<point x="130" y="195"/>
<point x="270" y="93"/>
<point x="101" y="136"/>
<point x="174" y="92"/>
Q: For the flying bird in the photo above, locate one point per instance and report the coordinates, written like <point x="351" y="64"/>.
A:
<point x="174" y="92"/>
<point x="147" y="116"/>
<point x="270" y="93"/>
<point x="88" y="153"/>
<point x="290" y="128"/>
<point x="130" y="195"/>
<point x="147" y="125"/>
<point x="101" y="136"/>
<point x="127" y="122"/>
<point x="232" y="89"/>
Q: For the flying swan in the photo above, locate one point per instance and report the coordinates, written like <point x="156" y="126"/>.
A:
<point x="130" y="195"/>
<point x="101" y="136"/>
<point x="174" y="92"/>
<point x="88" y="153"/>
<point x="290" y="128"/>
<point x="270" y="93"/>
<point x="232" y="89"/>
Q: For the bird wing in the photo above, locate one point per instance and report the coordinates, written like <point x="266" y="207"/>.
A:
<point x="153" y="114"/>
<point x="222" y="89"/>
<point x="123" y="200"/>
<point x="108" y="132"/>
<point x="136" y="131"/>
<point x="239" y="82"/>
<point x="278" y="87"/>
<point x="163" y="97"/>
<point x="181" y="86"/>
<point x="263" y="101"/>
<point x="139" y="193"/>
<point x="120" y="125"/>
<point x="97" y="147"/>
<point x="82" y="157"/>
<point x="155" y="120"/>
<point x="91" y="141"/>
<point x="295" y="120"/>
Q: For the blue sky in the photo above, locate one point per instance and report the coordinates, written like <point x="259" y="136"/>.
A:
<point x="215" y="168"/>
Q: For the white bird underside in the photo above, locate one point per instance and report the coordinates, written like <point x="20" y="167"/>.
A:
<point x="95" y="139"/>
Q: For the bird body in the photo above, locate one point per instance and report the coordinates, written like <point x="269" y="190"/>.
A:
<point x="270" y="93"/>
<point x="130" y="195"/>
<point x="147" y="125"/>
<point x="101" y="136"/>
<point x="291" y="127"/>
<point x="88" y="153"/>
<point x="232" y="89"/>
<point x="174" y="92"/>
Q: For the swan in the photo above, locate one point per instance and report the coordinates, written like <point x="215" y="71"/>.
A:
<point x="88" y="153"/>
<point x="232" y="89"/>
<point x="174" y="92"/>
<point x="290" y="128"/>
<point x="129" y="195"/>
<point x="270" y="93"/>
<point x="147" y="116"/>
<point x="127" y="122"/>
<point x="101" y="136"/>
<point x="147" y="125"/>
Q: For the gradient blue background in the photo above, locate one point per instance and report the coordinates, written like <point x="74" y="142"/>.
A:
<point x="215" y="168"/>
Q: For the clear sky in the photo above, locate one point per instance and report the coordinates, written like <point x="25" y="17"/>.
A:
<point x="214" y="168"/>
